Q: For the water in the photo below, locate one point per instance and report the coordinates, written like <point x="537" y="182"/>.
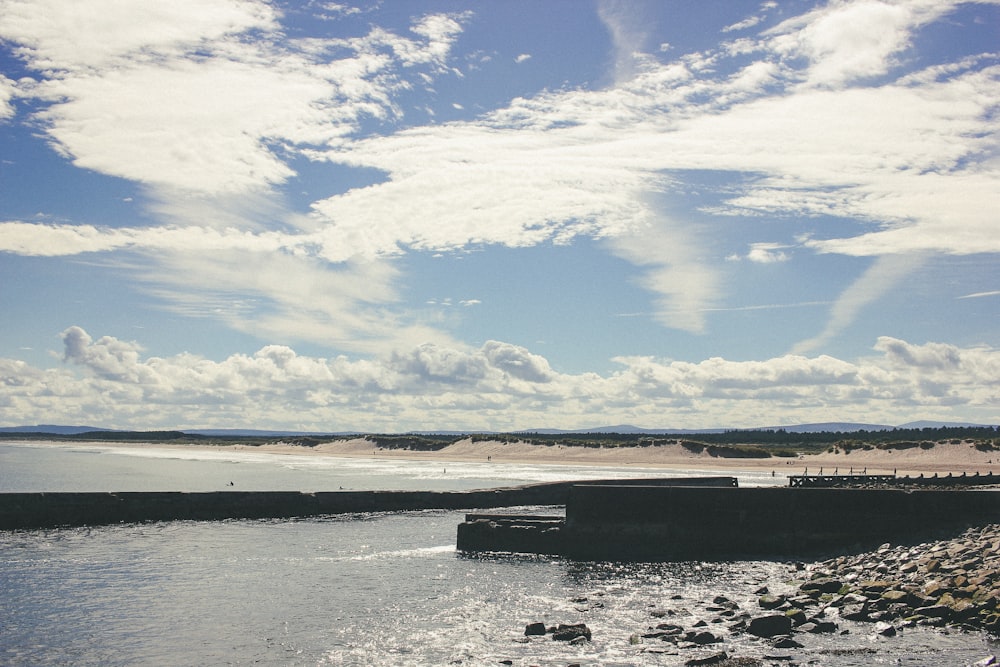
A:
<point x="378" y="589"/>
<point x="29" y="467"/>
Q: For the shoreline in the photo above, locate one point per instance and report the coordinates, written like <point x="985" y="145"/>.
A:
<point x="956" y="458"/>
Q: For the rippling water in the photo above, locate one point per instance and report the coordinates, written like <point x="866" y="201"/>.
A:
<point x="380" y="589"/>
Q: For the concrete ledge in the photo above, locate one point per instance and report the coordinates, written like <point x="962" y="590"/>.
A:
<point x="692" y="523"/>
<point x="48" y="510"/>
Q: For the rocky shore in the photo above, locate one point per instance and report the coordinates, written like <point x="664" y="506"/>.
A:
<point x="945" y="583"/>
<point x="952" y="585"/>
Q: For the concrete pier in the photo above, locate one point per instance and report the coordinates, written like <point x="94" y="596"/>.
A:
<point x="639" y="523"/>
<point x="48" y="510"/>
<point x="950" y="480"/>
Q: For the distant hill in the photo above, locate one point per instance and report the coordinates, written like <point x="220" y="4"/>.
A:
<point x="55" y="429"/>
<point x="927" y="424"/>
<point x="621" y="428"/>
<point x="256" y="433"/>
<point x="624" y="429"/>
<point x="830" y="427"/>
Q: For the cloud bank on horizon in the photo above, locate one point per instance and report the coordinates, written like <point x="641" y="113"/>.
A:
<point x="334" y="216"/>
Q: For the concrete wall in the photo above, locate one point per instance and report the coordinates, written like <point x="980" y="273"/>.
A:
<point x="46" y="510"/>
<point x="692" y="523"/>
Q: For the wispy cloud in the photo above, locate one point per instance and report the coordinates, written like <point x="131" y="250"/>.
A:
<point x="979" y="295"/>
<point x="209" y="111"/>
<point x="881" y="277"/>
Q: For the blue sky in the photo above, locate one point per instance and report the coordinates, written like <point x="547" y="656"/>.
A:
<point x="498" y="216"/>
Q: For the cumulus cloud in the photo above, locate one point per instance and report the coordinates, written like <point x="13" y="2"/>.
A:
<point x="495" y="387"/>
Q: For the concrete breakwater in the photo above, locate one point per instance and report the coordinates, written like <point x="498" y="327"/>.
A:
<point x="862" y="479"/>
<point x="48" y="510"/>
<point x="676" y="523"/>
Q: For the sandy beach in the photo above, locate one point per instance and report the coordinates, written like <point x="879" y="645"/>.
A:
<point x="956" y="458"/>
<point x="942" y="459"/>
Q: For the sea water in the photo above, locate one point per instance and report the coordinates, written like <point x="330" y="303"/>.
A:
<point x="372" y="589"/>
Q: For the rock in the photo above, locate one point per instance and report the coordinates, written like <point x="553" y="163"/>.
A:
<point x="988" y="661"/>
<point x="854" y="612"/>
<point x="768" y="601"/>
<point x="670" y="628"/>
<point x="569" y="633"/>
<point x="786" y="642"/>
<point x="702" y="638"/>
<point x="534" y="629"/>
<point x="769" y="626"/>
<point x="885" y="629"/>
<point x="712" y="659"/>
<point x="796" y="616"/>
<point x="893" y="595"/>
<point x="823" y="627"/>
<point x="935" y="611"/>
<point x="822" y="585"/>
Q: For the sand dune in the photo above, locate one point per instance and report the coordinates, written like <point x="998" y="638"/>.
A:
<point x="942" y="458"/>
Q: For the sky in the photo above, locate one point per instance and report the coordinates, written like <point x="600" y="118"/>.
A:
<point x="498" y="216"/>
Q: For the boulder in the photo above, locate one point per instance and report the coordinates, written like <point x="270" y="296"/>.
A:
<point x="885" y="629"/>
<point x="935" y="611"/>
<point x="797" y="616"/>
<point x="768" y="601"/>
<point x="534" y="629"/>
<point x="702" y="638"/>
<point x="786" y="642"/>
<point x="770" y="626"/>
<point x="822" y="585"/>
<point x="568" y="633"/>
<point x="854" y="612"/>
<point x="712" y="659"/>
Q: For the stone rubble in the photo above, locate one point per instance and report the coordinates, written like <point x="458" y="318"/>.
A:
<point x="953" y="583"/>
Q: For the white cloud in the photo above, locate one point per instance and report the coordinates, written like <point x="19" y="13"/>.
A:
<point x="209" y="113"/>
<point x="978" y="295"/>
<point x="880" y="278"/>
<point x="498" y="386"/>
<point x="768" y="253"/>
<point x="847" y="41"/>
<point x="7" y="89"/>
<point x="522" y="58"/>
<point x="668" y="257"/>
<point x="199" y="97"/>
<point x="629" y="33"/>
<point x="72" y="36"/>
